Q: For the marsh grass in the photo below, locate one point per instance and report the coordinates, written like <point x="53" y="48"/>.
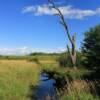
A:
<point x="82" y="90"/>
<point x="16" y="77"/>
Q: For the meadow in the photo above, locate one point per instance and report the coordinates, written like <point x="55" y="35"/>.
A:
<point x="16" y="77"/>
<point x="19" y="74"/>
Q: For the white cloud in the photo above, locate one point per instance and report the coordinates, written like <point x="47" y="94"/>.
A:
<point x="14" y="51"/>
<point x="26" y="50"/>
<point x="69" y="11"/>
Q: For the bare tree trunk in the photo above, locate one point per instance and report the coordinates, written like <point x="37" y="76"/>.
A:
<point x="72" y="39"/>
<point x="73" y="51"/>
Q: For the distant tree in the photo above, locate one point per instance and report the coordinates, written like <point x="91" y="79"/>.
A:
<point x="72" y="39"/>
<point x="91" y="48"/>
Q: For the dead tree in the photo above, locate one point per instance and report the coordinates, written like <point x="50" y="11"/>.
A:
<point x="72" y="39"/>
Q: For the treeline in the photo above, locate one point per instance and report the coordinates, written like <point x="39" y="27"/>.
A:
<point x="35" y="54"/>
<point x="14" y="57"/>
<point x="44" y="54"/>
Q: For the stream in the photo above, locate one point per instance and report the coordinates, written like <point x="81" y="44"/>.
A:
<point x="46" y="88"/>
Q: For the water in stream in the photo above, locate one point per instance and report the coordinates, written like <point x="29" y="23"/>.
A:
<point x="46" y="88"/>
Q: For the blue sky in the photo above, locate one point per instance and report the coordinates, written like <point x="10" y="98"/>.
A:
<point x="29" y="25"/>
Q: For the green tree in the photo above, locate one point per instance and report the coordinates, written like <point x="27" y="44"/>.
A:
<point x="91" y="48"/>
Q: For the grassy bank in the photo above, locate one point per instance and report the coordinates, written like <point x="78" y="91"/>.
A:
<point x="82" y="90"/>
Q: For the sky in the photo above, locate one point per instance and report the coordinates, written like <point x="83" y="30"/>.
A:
<point x="30" y="25"/>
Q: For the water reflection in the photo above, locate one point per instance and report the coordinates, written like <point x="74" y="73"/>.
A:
<point x="46" y="89"/>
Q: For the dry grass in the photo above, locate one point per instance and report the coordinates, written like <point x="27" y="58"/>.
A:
<point x="82" y="90"/>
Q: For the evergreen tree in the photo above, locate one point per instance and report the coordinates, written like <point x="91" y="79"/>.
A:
<point x="91" y="48"/>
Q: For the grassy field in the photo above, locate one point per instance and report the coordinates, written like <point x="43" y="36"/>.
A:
<point x="16" y="77"/>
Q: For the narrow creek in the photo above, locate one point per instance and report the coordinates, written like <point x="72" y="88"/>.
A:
<point x="46" y="89"/>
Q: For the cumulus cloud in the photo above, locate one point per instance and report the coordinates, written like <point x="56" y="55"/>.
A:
<point x="68" y="11"/>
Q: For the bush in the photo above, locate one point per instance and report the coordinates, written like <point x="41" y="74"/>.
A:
<point x="65" y="61"/>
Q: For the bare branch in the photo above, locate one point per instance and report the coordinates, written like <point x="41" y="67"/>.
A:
<point x="62" y="18"/>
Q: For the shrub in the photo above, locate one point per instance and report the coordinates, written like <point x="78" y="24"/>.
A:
<point x="65" y="61"/>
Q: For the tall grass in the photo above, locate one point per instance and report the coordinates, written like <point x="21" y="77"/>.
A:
<point x="16" y="77"/>
<point x="82" y="90"/>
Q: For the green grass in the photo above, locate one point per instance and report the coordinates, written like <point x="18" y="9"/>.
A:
<point x="16" y="77"/>
<point x="80" y="96"/>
